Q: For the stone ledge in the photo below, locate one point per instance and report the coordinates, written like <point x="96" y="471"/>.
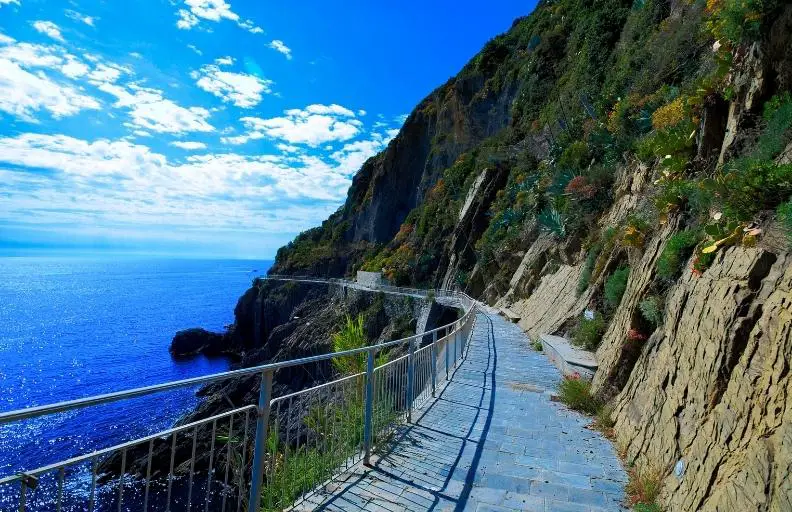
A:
<point x="510" y="315"/>
<point x="569" y="359"/>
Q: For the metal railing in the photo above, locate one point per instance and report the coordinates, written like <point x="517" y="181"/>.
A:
<point x="270" y="453"/>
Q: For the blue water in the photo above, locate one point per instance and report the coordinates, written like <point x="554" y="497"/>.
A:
<point x="71" y="328"/>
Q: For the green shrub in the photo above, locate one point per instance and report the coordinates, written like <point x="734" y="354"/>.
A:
<point x="551" y="220"/>
<point x="652" y="310"/>
<point x="784" y="212"/>
<point x="615" y="286"/>
<point x="676" y="251"/>
<point x="603" y="420"/>
<point x="576" y="394"/>
<point x="589" y="333"/>
<point x="537" y="345"/>
<point x="643" y="488"/>
<point x="588" y="268"/>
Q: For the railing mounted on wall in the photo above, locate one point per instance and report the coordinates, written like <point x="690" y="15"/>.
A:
<point x="272" y="452"/>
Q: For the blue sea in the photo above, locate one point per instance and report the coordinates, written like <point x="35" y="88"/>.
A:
<point x="72" y="328"/>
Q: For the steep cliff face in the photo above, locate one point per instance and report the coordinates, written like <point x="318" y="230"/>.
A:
<point x="632" y="159"/>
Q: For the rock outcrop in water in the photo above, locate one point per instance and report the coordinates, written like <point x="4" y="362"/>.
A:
<point x="190" y="342"/>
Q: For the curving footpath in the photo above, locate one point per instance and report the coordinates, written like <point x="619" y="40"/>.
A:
<point x="492" y="440"/>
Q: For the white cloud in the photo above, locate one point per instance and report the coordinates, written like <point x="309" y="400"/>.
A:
<point x="188" y="145"/>
<point x="73" y="68"/>
<point x="361" y="112"/>
<point x="314" y="125"/>
<point x="23" y="93"/>
<point x="3" y="2"/>
<point x="279" y="46"/>
<point x="213" y="10"/>
<point x="149" y="110"/>
<point x="187" y="20"/>
<point x="88" y="20"/>
<point x="141" y="133"/>
<point x="135" y="55"/>
<point x="106" y="73"/>
<point x="193" y="48"/>
<point x="241" y="89"/>
<point x="4" y="39"/>
<point x="251" y="27"/>
<point x="48" y="28"/>
<point x="224" y="61"/>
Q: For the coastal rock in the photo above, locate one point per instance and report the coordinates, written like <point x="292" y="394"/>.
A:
<point x="190" y="342"/>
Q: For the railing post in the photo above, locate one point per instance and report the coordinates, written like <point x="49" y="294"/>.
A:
<point x="260" y="447"/>
<point x="456" y="341"/>
<point x="369" y="408"/>
<point x="447" y="356"/>
<point x="410" y="379"/>
<point x="433" y="355"/>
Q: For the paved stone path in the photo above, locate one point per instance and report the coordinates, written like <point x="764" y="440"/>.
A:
<point x="492" y="441"/>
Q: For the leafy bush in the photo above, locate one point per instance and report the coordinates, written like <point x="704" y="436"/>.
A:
<point x="615" y="286"/>
<point x="652" y="310"/>
<point x="784" y="212"/>
<point x="551" y="220"/>
<point x="351" y="336"/>
<point x="589" y="332"/>
<point x="576" y="394"/>
<point x="537" y="345"/>
<point x="676" y="251"/>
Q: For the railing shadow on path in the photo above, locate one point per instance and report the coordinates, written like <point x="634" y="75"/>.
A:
<point x="442" y="483"/>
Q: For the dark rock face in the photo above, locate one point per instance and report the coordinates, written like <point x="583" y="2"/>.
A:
<point x="293" y="320"/>
<point x="190" y="342"/>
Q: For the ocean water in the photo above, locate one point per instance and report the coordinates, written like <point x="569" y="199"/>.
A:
<point x="71" y="328"/>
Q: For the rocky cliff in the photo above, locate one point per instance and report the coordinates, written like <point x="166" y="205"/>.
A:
<point x="626" y="159"/>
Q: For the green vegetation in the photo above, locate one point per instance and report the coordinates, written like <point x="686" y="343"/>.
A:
<point x="643" y="488"/>
<point x="652" y="310"/>
<point x="589" y="332"/>
<point x="603" y="419"/>
<point x="615" y="286"/>
<point x="588" y="267"/>
<point x="676" y="251"/>
<point x="537" y="345"/>
<point x="784" y="213"/>
<point x="576" y="394"/>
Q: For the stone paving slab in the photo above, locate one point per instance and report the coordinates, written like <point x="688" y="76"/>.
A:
<point x="491" y="441"/>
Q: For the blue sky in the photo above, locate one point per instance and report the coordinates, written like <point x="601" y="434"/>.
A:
<point x="207" y="127"/>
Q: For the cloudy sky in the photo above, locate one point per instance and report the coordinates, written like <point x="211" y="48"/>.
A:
<point x="207" y="127"/>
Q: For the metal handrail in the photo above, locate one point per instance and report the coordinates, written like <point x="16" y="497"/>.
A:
<point x="41" y="410"/>
<point x="458" y="331"/>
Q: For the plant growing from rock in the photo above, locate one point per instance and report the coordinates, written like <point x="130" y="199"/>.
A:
<point x="676" y="251"/>
<point x="643" y="488"/>
<point x="784" y="213"/>
<point x="576" y="394"/>
<point x="589" y="332"/>
<point x="651" y="309"/>
<point x="615" y="286"/>
<point x="588" y="268"/>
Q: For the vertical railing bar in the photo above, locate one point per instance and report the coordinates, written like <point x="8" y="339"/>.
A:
<point x="192" y="469"/>
<point x="240" y="477"/>
<point x="61" y="477"/>
<point x="224" y="493"/>
<point x="22" y="493"/>
<point x="121" y="480"/>
<point x="148" y="475"/>
<point x="287" y="448"/>
<point x="369" y="407"/>
<point x="170" y="472"/>
<point x="410" y="380"/>
<point x="260" y="446"/>
<point x="210" y="471"/>
<point x="92" y="498"/>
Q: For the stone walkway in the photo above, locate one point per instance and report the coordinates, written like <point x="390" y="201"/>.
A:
<point x="492" y="441"/>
